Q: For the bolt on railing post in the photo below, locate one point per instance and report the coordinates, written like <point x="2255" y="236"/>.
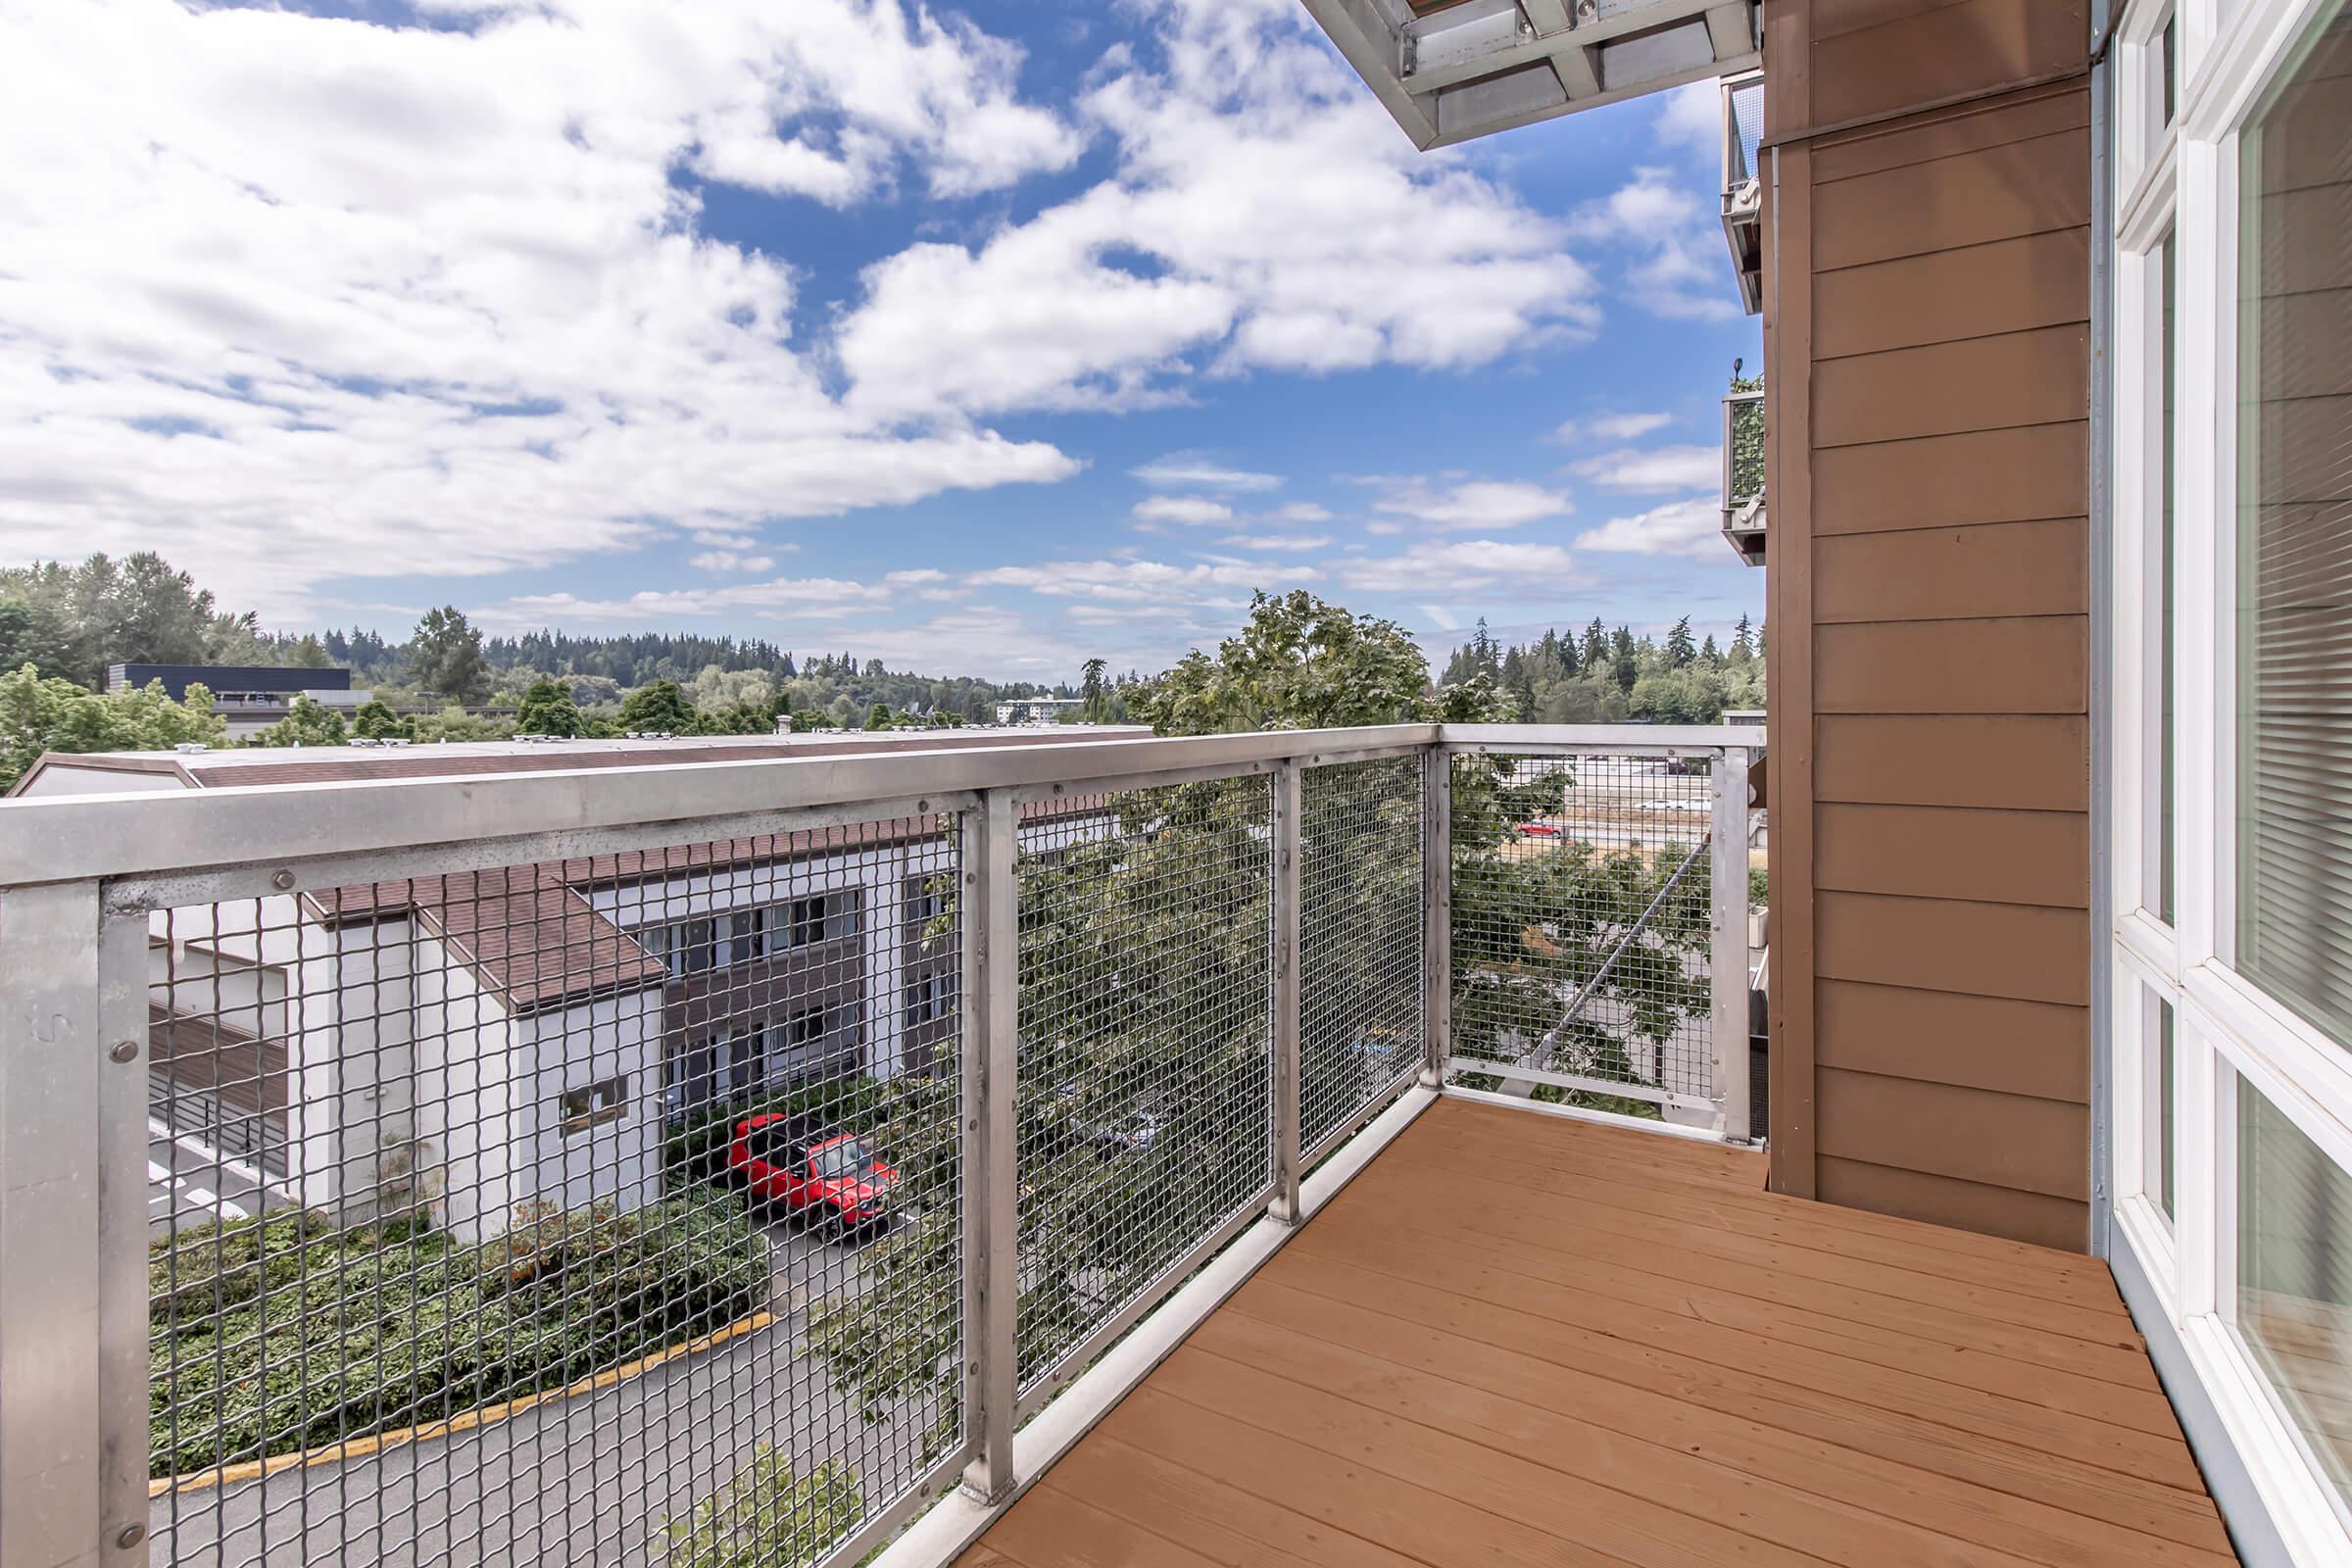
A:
<point x="1286" y="804"/>
<point x="1437" y="912"/>
<point x="990" y="941"/>
<point x="1727" y="964"/>
<point x="74" y="1230"/>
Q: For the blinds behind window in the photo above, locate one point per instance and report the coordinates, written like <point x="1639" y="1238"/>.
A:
<point x="2295" y="573"/>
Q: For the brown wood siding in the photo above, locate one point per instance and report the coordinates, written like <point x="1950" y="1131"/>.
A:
<point x="1926" y="349"/>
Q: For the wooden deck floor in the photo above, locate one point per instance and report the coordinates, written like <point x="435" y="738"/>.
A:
<point x="1516" y="1338"/>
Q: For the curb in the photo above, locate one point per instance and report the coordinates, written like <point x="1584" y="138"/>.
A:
<point x="487" y="1415"/>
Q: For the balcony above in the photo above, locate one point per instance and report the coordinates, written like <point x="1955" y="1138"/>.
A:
<point x="1744" y="469"/>
<point x="1743" y="185"/>
<point x="1450" y="70"/>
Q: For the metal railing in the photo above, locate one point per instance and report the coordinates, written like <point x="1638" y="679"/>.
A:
<point x="718" y="1162"/>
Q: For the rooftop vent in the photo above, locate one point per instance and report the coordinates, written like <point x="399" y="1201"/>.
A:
<point x="1452" y="70"/>
<point x="190" y="748"/>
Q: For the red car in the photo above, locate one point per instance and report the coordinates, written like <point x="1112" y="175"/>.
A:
<point x="1536" y="830"/>
<point x="831" y="1177"/>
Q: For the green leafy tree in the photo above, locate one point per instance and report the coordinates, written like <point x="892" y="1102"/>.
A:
<point x="768" y="1515"/>
<point x="1297" y="664"/>
<point x="375" y="720"/>
<point x="1093" y="688"/>
<point x="546" y="708"/>
<point x="307" y="723"/>
<point x="47" y="713"/>
<point x="139" y="610"/>
<point x="658" y="706"/>
<point x="445" y="657"/>
<point x="878" y="716"/>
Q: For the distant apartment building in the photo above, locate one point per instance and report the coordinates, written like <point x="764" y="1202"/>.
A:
<point x="473" y="1041"/>
<point x="249" y="697"/>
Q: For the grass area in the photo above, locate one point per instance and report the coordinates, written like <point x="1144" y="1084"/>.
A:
<point x="275" y="1334"/>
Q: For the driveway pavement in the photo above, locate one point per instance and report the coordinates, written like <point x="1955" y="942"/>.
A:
<point x="584" y="1480"/>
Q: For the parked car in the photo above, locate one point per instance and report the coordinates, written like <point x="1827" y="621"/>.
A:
<point x="829" y="1177"/>
<point x="1538" y="830"/>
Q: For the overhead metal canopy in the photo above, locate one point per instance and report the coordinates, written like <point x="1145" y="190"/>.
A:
<point x="1450" y="70"/>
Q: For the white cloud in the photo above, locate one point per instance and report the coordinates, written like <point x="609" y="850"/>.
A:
<point x="1613" y="427"/>
<point x="1193" y="511"/>
<point x="1473" y="503"/>
<point x="730" y="561"/>
<point x="1691" y="118"/>
<point x="1657" y="470"/>
<point x="1465" y="566"/>
<point x="1692" y="527"/>
<point x="1194" y="470"/>
<point x="1263" y="214"/>
<point x="1442" y="617"/>
<point x="300" y="298"/>
<point x="803" y="598"/>
<point x="1672" y="244"/>
<point x="1293" y="542"/>
<point x="1299" y="512"/>
<point x="722" y="539"/>
<point x="1143" y="582"/>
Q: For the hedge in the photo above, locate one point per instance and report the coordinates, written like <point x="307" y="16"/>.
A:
<point x="767" y="1517"/>
<point x="280" y="1334"/>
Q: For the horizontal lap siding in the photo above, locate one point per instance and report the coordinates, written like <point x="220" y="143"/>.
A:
<point x="1945" y="552"/>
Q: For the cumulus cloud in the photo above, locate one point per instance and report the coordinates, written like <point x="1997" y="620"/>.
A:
<point x="1145" y="581"/>
<point x="1295" y="543"/>
<point x="1693" y="527"/>
<point x="1299" y="511"/>
<point x="1192" y="511"/>
<point x="1691" y="118"/>
<point x="1194" y="470"/>
<point x="1473" y="503"/>
<point x="1668" y="243"/>
<point x="803" y="598"/>
<point x="1465" y="566"/>
<point x="298" y="297"/>
<point x="1613" y="427"/>
<point x="730" y="561"/>
<point x="1263" y="214"/>
<point x="1656" y="469"/>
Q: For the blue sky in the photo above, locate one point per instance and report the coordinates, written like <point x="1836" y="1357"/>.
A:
<point x="977" y="338"/>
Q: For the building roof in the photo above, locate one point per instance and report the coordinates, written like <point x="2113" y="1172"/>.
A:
<point x="216" y="678"/>
<point x="526" y="932"/>
<point x="331" y="764"/>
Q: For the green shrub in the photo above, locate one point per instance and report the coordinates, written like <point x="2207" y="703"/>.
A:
<point x="281" y="1334"/>
<point x="768" y="1515"/>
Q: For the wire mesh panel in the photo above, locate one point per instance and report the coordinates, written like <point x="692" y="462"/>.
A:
<point x="1581" y="932"/>
<point x="594" y="1212"/>
<point x="1359" y="939"/>
<point x="1146" y="1111"/>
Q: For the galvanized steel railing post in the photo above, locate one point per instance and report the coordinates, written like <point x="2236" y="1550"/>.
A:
<point x="991" y="1149"/>
<point x="1437" y="912"/>
<point x="1727" y="900"/>
<point x="1287" y="804"/>
<point x="72" y="1230"/>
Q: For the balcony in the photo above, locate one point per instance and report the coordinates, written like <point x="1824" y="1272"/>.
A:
<point x="1743" y="514"/>
<point x="1327" y="1144"/>
<point x="1743" y="184"/>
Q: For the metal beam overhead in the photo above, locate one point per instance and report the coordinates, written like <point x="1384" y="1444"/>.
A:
<point x="1484" y="65"/>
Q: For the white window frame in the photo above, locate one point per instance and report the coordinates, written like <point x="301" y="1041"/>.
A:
<point x="2182" y="180"/>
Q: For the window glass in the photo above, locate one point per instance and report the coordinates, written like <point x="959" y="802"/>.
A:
<point x="2167" y="1157"/>
<point x="2294" y="534"/>
<point x="2295" y="1277"/>
<point x="2166" y="782"/>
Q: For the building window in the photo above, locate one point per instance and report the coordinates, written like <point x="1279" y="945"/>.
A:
<point x="928" y="998"/>
<point x="2294" y="537"/>
<point x="2167" y="774"/>
<point x="746" y="935"/>
<point x="825" y="917"/>
<point x="2294" y="1278"/>
<point x="591" y="1104"/>
<point x="2166" y="1076"/>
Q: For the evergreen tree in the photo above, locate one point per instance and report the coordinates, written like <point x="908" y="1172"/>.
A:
<point x="375" y="720"/>
<point x="445" y="657"/>
<point x="659" y="707"/>
<point x="1679" y="649"/>
<point x="546" y="708"/>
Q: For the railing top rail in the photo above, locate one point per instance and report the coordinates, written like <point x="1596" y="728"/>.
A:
<point x="1629" y="738"/>
<point x="167" y="832"/>
<point x="1743" y="397"/>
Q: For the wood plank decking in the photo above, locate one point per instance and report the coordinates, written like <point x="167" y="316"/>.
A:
<point x="1516" y="1338"/>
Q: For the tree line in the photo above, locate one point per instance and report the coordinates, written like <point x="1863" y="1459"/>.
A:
<point x="1610" y="677"/>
